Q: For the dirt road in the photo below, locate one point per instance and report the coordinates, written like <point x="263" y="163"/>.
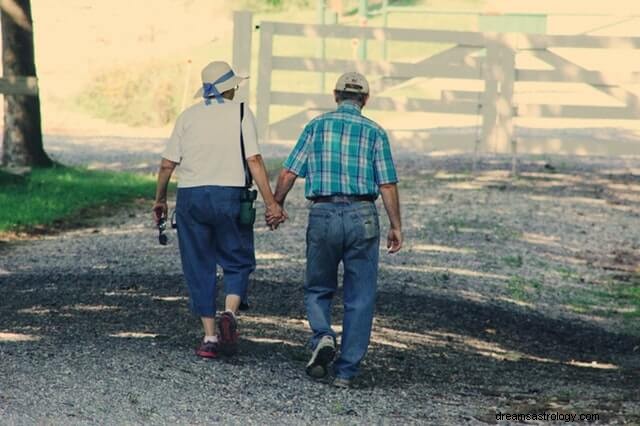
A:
<point x="511" y="296"/>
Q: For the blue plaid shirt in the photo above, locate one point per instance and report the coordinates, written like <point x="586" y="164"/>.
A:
<point x="342" y="153"/>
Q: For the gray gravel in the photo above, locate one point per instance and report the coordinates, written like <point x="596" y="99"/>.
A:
<point x="94" y="326"/>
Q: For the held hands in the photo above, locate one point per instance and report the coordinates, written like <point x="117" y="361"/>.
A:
<point x="160" y="210"/>
<point x="274" y="215"/>
<point x="394" y="240"/>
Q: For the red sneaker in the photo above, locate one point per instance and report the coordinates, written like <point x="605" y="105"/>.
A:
<point x="228" y="334"/>
<point x="207" y="349"/>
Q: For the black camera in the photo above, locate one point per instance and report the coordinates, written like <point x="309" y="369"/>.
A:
<point x="163" y="238"/>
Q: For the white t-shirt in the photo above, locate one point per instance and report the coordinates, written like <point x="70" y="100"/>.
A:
<point x="206" y="143"/>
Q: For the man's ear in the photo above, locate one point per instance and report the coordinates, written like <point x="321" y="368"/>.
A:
<point x="365" y="99"/>
<point x="335" y="95"/>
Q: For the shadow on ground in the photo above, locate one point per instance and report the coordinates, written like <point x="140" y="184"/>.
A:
<point x="430" y="340"/>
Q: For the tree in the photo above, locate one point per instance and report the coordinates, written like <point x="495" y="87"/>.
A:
<point x="22" y="143"/>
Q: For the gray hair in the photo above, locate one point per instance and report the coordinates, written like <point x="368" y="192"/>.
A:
<point x="360" y="98"/>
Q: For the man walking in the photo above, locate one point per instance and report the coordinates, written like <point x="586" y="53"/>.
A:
<point x="346" y="160"/>
<point x="214" y="143"/>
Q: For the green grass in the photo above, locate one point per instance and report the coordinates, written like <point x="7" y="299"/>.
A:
<point x="513" y="261"/>
<point x="51" y="195"/>
<point x="521" y="288"/>
<point x="617" y="299"/>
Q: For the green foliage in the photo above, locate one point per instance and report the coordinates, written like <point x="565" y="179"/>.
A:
<point x="49" y="195"/>
<point x="618" y="298"/>
<point x="276" y="5"/>
<point x="631" y="296"/>
<point x="513" y="261"/>
<point x="149" y="95"/>
<point x="521" y="288"/>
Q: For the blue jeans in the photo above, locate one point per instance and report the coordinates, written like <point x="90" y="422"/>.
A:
<point x="209" y="234"/>
<point x="349" y="233"/>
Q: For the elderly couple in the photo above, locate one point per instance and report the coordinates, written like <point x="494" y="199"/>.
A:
<point x="346" y="161"/>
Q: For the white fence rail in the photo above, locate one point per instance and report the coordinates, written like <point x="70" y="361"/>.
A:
<point x="491" y="59"/>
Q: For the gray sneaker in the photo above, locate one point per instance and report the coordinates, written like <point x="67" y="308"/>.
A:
<point x="317" y="367"/>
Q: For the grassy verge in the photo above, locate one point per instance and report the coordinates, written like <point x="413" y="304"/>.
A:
<point x="51" y="196"/>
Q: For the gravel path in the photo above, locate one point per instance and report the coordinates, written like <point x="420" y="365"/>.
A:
<point x="497" y="304"/>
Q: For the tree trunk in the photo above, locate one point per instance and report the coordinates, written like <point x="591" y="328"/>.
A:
<point x="22" y="139"/>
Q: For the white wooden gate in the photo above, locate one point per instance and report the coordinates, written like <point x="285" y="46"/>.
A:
<point x="490" y="59"/>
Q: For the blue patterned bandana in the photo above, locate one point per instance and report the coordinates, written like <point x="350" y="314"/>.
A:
<point x="209" y="90"/>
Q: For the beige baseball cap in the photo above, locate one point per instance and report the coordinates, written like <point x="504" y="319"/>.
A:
<point x="352" y="82"/>
<point x="219" y="74"/>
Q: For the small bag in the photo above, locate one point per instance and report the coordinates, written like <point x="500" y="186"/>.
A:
<point x="248" y="196"/>
<point x="247" y="208"/>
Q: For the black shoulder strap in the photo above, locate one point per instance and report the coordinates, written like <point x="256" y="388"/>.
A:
<point x="247" y="173"/>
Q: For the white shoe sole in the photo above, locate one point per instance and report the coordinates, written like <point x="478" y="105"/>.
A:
<point x="322" y="357"/>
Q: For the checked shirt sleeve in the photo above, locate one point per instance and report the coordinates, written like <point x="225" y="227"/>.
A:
<point x="385" y="170"/>
<point x="297" y="160"/>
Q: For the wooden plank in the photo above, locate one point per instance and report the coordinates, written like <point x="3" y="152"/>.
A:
<point x="574" y="145"/>
<point x="242" y="29"/>
<point x="319" y="101"/>
<point x="454" y="57"/>
<point x="568" y="67"/>
<point x="420" y="140"/>
<point x="460" y="95"/>
<point x="515" y="40"/>
<point x="466" y="38"/>
<point x="397" y="69"/>
<point x="428" y="140"/>
<point x="264" y="80"/>
<point x="290" y="127"/>
<point x="522" y="41"/>
<point x="19" y="86"/>
<point x="578" y="111"/>
<point x="584" y="76"/>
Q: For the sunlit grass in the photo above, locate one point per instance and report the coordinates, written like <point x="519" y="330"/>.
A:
<point x="615" y="300"/>
<point x="50" y="195"/>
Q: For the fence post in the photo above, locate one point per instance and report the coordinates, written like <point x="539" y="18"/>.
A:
<point x="264" y="79"/>
<point x="506" y="140"/>
<point x="242" y="29"/>
<point x="490" y="95"/>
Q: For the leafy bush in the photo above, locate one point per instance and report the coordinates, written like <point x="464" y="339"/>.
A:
<point x="142" y="96"/>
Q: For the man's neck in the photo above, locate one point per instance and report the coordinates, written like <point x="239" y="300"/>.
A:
<point x="350" y="103"/>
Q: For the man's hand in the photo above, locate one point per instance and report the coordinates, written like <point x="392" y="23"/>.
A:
<point x="274" y="215"/>
<point x="160" y="210"/>
<point x="394" y="240"/>
<point x="391" y="202"/>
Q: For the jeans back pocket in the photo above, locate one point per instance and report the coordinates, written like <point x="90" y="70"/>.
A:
<point x="370" y="223"/>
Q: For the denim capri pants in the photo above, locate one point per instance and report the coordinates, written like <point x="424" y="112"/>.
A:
<point x="209" y="235"/>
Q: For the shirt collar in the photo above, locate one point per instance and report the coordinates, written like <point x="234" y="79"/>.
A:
<point x="349" y="106"/>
